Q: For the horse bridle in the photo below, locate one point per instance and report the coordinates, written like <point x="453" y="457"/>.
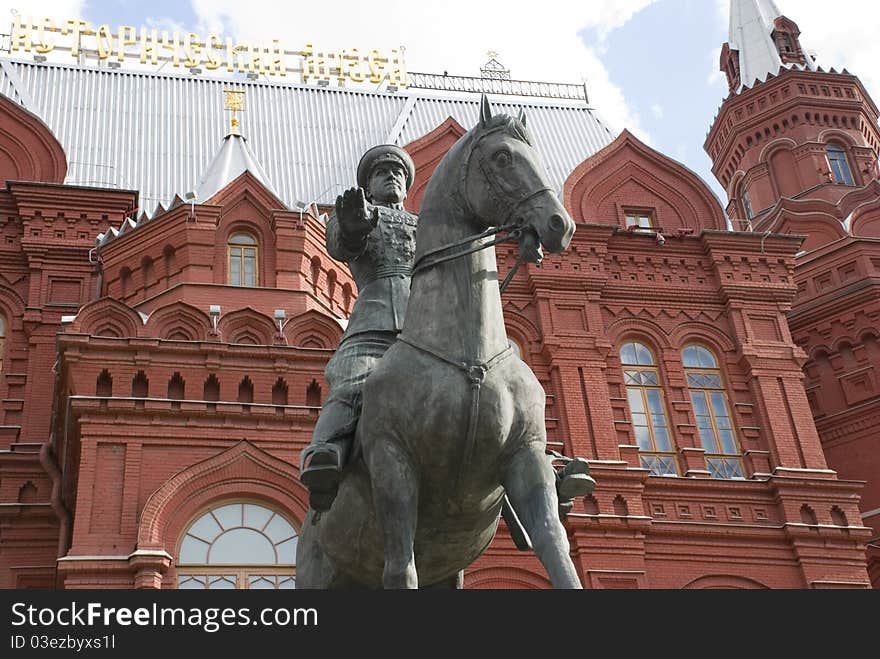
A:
<point x="434" y="257"/>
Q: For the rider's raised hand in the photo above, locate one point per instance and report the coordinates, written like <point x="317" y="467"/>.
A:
<point x="351" y="211"/>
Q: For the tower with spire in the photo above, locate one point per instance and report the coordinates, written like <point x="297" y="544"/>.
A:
<point x="796" y="148"/>
<point x="762" y="42"/>
<point x="788" y="129"/>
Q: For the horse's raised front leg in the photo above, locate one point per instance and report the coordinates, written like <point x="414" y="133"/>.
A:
<point x="395" y="496"/>
<point x="531" y="487"/>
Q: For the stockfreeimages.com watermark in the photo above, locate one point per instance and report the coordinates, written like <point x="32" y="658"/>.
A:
<point x="212" y="619"/>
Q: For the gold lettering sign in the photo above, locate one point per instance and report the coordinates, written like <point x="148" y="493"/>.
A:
<point x="191" y="51"/>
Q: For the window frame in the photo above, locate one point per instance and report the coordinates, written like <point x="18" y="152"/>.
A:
<point x="240" y="257"/>
<point x="659" y="462"/>
<point x="845" y="171"/>
<point x="716" y="461"/>
<point x="638" y="214"/>
<point x="748" y="210"/>
<point x="239" y="571"/>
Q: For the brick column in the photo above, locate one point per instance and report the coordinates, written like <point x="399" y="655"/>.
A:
<point x="149" y="567"/>
<point x="584" y="404"/>
<point x="756" y="275"/>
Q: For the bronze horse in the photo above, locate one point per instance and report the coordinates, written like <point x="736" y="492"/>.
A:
<point x="452" y="419"/>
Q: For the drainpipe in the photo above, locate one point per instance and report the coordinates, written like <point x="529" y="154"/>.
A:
<point x="95" y="259"/>
<point x="50" y="463"/>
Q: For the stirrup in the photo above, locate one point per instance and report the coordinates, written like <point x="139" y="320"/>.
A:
<point x="575" y="480"/>
<point x="321" y="467"/>
<point x="576" y="466"/>
<point x="575" y="485"/>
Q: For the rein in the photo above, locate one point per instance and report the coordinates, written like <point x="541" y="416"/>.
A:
<point x="425" y="261"/>
<point x="436" y="256"/>
<point x="476" y="373"/>
<point x="432" y="258"/>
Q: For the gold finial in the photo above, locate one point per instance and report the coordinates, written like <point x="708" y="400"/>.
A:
<point x="493" y="54"/>
<point x="233" y="100"/>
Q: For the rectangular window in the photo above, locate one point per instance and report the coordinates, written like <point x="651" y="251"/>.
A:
<point x="235" y="270"/>
<point x="243" y="266"/>
<point x="722" y="453"/>
<point x="640" y="219"/>
<point x="841" y="171"/>
<point x="839" y="165"/>
<point x="250" y="267"/>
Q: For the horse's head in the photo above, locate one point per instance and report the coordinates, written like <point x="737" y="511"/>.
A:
<point x="506" y="184"/>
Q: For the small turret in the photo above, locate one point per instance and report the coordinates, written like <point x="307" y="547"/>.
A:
<point x="233" y="159"/>
<point x="762" y="41"/>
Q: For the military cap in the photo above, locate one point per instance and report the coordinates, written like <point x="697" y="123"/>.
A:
<point x="385" y="153"/>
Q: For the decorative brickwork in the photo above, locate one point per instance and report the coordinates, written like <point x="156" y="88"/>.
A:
<point x="798" y="154"/>
<point x="130" y="407"/>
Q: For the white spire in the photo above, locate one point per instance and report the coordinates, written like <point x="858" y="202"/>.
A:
<point x="234" y="157"/>
<point x="751" y="30"/>
<point x="231" y="161"/>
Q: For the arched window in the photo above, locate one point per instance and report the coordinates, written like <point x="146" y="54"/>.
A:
<point x="786" y="43"/>
<point x="2" y="340"/>
<point x="648" y="411"/>
<point x="243" y="260"/>
<point x="723" y="455"/>
<point x="147" y="272"/>
<point x="313" y="394"/>
<point x="839" y="165"/>
<point x="238" y="545"/>
<point x="747" y="203"/>
<point x="125" y="281"/>
<point x="517" y="348"/>
<point x="279" y="392"/>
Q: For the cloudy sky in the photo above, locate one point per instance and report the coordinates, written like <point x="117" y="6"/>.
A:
<point x="650" y="65"/>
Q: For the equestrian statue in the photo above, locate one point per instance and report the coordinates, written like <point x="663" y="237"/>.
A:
<point x="434" y="427"/>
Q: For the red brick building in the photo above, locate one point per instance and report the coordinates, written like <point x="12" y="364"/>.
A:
<point x="158" y="384"/>
<point x="796" y="148"/>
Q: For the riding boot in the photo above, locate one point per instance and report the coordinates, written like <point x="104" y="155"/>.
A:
<point x="321" y="466"/>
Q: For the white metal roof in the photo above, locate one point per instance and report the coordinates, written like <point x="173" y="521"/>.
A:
<point x="157" y="133"/>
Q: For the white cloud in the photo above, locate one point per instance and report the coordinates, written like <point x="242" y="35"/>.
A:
<point x="536" y="42"/>
<point x="716" y="77"/>
<point x="57" y="10"/>
<point x="166" y="24"/>
<point x="608" y="15"/>
<point x="54" y="9"/>
<point x="849" y="40"/>
<point x="657" y="111"/>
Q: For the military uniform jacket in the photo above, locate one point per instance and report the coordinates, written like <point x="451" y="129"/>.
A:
<point x="381" y="267"/>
